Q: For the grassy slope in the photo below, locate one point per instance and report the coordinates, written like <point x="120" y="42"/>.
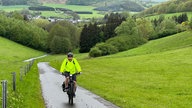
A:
<point x="11" y="60"/>
<point x="189" y="14"/>
<point x="174" y="42"/>
<point x="155" y="75"/>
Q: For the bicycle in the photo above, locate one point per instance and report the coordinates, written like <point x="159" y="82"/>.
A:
<point x="70" y="91"/>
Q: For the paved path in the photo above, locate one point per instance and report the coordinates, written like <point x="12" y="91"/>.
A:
<point x="54" y="97"/>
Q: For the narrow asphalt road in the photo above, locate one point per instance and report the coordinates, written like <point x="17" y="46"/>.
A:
<point x="54" y="97"/>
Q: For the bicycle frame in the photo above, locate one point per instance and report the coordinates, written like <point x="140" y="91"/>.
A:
<point x="70" y="91"/>
<point x="71" y="85"/>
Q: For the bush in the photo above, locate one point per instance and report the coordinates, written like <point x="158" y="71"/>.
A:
<point x="123" y="43"/>
<point x="190" y="24"/>
<point x="167" y="32"/>
<point x="104" y="49"/>
<point x="119" y="42"/>
<point x="95" y="52"/>
<point x="2" y="31"/>
<point x="23" y="32"/>
<point x="60" y="45"/>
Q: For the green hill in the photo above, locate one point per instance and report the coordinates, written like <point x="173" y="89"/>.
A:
<point x="154" y="75"/>
<point x="174" y="42"/>
<point x="12" y="56"/>
<point x="172" y="6"/>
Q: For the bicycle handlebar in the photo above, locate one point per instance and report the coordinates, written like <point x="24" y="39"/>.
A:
<point x="77" y="73"/>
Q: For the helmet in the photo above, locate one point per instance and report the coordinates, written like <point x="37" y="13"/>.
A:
<point x="70" y="54"/>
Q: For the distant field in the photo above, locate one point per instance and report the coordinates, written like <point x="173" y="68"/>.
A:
<point x="78" y="8"/>
<point x="13" y="8"/>
<point x="49" y="13"/>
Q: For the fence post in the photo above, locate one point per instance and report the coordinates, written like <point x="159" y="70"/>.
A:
<point x="25" y="70"/>
<point x="4" y="92"/>
<point x="21" y="71"/>
<point x="14" y="81"/>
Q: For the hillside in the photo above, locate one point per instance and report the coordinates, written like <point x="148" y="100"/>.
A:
<point x="155" y="75"/>
<point x="172" y="6"/>
<point x="103" y="5"/>
<point x="120" y="5"/>
<point x="174" y="42"/>
<point x="12" y="56"/>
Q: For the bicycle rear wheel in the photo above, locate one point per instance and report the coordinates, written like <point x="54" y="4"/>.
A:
<point x="70" y="94"/>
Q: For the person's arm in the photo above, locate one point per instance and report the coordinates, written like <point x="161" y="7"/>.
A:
<point x="78" y="67"/>
<point x="62" y="69"/>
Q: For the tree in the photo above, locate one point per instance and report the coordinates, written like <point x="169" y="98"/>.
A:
<point x="64" y="29"/>
<point x="16" y="15"/>
<point x="182" y="18"/>
<point x="112" y="22"/>
<point x="42" y="23"/>
<point x="90" y="35"/>
<point x="172" y="8"/>
<point x="60" y="45"/>
<point x="24" y="33"/>
<point x="57" y="32"/>
<point x="84" y="40"/>
<point x="166" y="27"/>
<point x="127" y="27"/>
<point x="2" y="31"/>
<point x="145" y="28"/>
<point x="190" y="24"/>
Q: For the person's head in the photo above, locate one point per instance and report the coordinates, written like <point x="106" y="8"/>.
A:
<point x="70" y="56"/>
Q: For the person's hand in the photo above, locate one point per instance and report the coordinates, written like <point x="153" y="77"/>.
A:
<point x="79" y="73"/>
<point x="62" y="73"/>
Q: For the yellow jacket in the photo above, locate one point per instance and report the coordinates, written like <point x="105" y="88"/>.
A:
<point x="70" y="66"/>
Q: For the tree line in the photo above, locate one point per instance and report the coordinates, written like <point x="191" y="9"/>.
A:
<point x="115" y="33"/>
<point x="40" y="34"/>
<point x="133" y="32"/>
<point x="82" y="2"/>
<point x="172" y="6"/>
<point x="18" y="2"/>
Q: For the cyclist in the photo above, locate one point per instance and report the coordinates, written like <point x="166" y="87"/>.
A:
<point x="70" y="66"/>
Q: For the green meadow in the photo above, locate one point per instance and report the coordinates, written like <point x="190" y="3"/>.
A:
<point x="12" y="56"/>
<point x="155" y="75"/>
<point x="13" y="8"/>
<point x="77" y="8"/>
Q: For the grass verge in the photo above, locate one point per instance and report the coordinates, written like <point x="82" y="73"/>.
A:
<point x="12" y="56"/>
